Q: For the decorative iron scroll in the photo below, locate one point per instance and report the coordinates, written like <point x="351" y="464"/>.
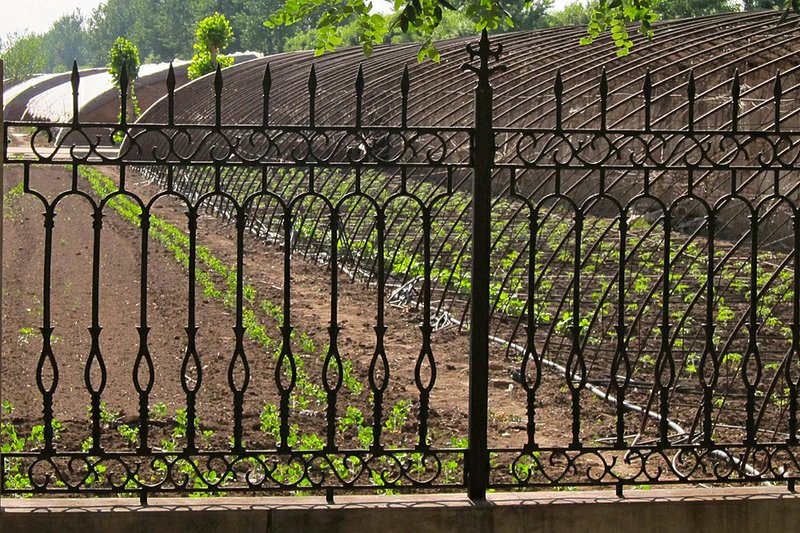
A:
<point x="643" y="283"/>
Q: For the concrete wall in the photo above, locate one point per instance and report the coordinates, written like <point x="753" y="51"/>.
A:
<point x="697" y="511"/>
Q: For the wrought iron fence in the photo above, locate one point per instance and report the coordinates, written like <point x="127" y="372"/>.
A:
<point x="642" y="282"/>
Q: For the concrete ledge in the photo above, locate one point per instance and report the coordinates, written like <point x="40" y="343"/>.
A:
<point x="763" y="510"/>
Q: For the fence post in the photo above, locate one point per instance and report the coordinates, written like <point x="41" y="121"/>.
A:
<point x="482" y="155"/>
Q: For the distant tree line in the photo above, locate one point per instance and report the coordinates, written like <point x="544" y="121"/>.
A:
<point x="166" y="29"/>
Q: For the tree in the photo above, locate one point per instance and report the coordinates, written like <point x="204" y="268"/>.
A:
<point x="678" y="9"/>
<point x="424" y="16"/>
<point x="753" y="5"/>
<point x="109" y="21"/>
<point x="124" y="57"/>
<point x="214" y="34"/>
<point x="23" y="56"/>
<point x="530" y="16"/>
<point x="247" y="16"/>
<point x="575" y="14"/>
<point x="65" y="42"/>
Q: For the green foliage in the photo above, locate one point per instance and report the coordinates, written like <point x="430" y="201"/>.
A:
<point x="23" y="56"/>
<point x="676" y="9"/>
<point x="202" y="64"/>
<point x="213" y="35"/>
<point x="124" y="56"/>
<point x="573" y="14"/>
<point x="423" y="18"/>
<point x="614" y="16"/>
<point x="123" y="52"/>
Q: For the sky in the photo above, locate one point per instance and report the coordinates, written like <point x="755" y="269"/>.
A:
<point x="37" y="15"/>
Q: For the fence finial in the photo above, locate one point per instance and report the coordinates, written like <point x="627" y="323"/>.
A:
<point x="218" y="96"/>
<point x="312" y="96"/>
<point x="405" y="86"/>
<point x="647" y="91"/>
<point x="75" y="79"/>
<point x="484" y="51"/>
<point x="123" y="92"/>
<point x="691" y="92"/>
<point x="359" y="94"/>
<point x="558" y="90"/>
<point x="266" y="87"/>
<point x="736" y="90"/>
<point x="778" y="92"/>
<point x="171" y="95"/>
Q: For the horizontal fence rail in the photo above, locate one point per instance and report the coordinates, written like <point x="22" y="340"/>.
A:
<point x="552" y="306"/>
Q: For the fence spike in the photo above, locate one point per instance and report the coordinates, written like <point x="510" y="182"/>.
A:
<point x="558" y="89"/>
<point x="171" y="95"/>
<point x="312" y="95"/>
<point x="736" y="89"/>
<point x="405" y="86"/>
<point x="359" y="94"/>
<point x="778" y="95"/>
<point x="647" y="91"/>
<point x="603" y="98"/>
<point x="266" y="87"/>
<point x="123" y="91"/>
<point x="75" y="79"/>
<point x="691" y="91"/>
<point x="218" y="96"/>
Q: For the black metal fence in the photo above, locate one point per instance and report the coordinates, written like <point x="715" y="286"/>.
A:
<point x="641" y="283"/>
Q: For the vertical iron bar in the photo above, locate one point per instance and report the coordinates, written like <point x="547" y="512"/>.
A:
<point x="751" y="382"/>
<point x="380" y="333"/>
<point x="603" y="99"/>
<point x="647" y="92"/>
<point x="576" y="351"/>
<point x="778" y="94"/>
<point x="692" y="94"/>
<point x="622" y="348"/>
<point x="794" y="384"/>
<point x="47" y="328"/>
<point x="426" y="353"/>
<point x="709" y="350"/>
<point x="144" y="350"/>
<point x="286" y="329"/>
<point x="482" y="160"/>
<point x="665" y="352"/>
<point x="191" y="334"/>
<point x="333" y="356"/>
<point x="736" y="90"/>
<point x="94" y="352"/>
<point x="239" y="354"/>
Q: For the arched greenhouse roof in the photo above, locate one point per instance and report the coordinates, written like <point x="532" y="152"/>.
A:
<point x="714" y="47"/>
<point x="98" y="99"/>
<point x="16" y="97"/>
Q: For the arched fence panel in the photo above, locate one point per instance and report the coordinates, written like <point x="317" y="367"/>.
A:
<point x="601" y="296"/>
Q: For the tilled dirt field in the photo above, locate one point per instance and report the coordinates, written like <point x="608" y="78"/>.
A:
<point x="119" y="316"/>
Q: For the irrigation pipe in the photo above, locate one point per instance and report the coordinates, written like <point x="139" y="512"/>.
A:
<point x="597" y="391"/>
